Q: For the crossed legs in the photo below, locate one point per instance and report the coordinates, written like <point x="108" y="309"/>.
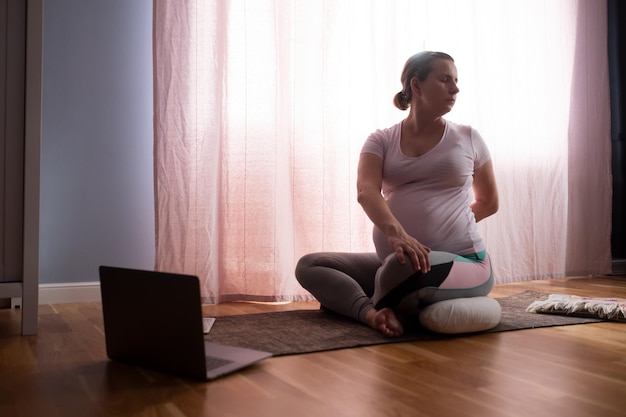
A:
<point x="346" y="283"/>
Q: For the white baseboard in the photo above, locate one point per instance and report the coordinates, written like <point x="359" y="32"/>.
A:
<point x="85" y="292"/>
<point x="79" y="292"/>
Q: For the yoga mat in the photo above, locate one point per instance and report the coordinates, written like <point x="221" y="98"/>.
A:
<point x="307" y="331"/>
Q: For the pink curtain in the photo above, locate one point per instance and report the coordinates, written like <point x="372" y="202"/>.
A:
<point x="261" y="108"/>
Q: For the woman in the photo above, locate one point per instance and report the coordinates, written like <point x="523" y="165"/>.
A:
<point x="414" y="183"/>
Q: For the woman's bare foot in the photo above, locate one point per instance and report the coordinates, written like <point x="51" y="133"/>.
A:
<point x="385" y="321"/>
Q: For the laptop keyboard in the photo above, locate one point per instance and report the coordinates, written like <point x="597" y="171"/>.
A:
<point x="213" y="363"/>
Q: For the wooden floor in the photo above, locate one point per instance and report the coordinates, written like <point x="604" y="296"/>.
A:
<point x="560" y="371"/>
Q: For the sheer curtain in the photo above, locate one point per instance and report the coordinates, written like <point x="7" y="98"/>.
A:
<point x="261" y="108"/>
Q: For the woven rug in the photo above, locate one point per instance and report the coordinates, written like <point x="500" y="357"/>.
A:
<point x="307" y="331"/>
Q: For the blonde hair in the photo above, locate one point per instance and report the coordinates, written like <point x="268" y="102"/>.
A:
<point x="419" y="65"/>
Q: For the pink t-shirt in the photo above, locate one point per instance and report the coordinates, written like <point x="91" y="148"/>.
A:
<point x="430" y="195"/>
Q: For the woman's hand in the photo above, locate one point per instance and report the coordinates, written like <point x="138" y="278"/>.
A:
<point x="405" y="245"/>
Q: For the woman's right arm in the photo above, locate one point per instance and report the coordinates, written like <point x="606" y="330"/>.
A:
<point x="369" y="185"/>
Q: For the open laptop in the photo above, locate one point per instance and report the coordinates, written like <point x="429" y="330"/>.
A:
<point x="154" y="320"/>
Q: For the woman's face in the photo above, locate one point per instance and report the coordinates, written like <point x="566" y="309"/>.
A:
<point x="438" y="91"/>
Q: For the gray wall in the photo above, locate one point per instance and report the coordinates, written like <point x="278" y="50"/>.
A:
<point x="97" y="197"/>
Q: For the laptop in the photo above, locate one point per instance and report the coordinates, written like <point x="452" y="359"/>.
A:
<point x="154" y="320"/>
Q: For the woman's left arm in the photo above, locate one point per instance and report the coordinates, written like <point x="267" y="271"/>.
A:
<point x="485" y="192"/>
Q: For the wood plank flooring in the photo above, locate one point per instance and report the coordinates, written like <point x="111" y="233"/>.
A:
<point x="561" y="371"/>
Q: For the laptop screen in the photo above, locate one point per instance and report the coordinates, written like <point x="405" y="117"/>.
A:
<point x="153" y="319"/>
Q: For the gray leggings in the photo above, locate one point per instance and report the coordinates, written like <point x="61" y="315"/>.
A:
<point x="345" y="282"/>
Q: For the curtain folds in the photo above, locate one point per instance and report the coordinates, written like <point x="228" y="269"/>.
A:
<point x="261" y="108"/>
